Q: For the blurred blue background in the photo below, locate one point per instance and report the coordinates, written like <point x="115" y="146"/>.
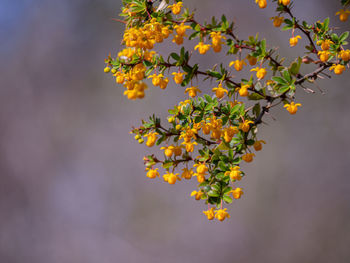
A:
<point x="73" y="186"/>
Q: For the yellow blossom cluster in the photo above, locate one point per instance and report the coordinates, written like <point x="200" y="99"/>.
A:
<point x="211" y="136"/>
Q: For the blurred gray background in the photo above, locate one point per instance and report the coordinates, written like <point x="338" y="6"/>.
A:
<point x="73" y="186"/>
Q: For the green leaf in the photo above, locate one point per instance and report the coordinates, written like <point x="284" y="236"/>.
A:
<point x="230" y="155"/>
<point x="161" y="139"/>
<point x="255" y="96"/>
<point x="227" y="199"/>
<point x="334" y="38"/>
<point x="216" y="188"/>
<point x="194" y="35"/>
<point x="263" y="46"/>
<point x="222" y="166"/>
<point x="283" y="89"/>
<point x="208" y="98"/>
<point x="279" y="80"/>
<point x="198" y="119"/>
<point x="287" y="76"/>
<point x="213" y="193"/>
<point x="344" y="36"/>
<point x="237" y="160"/>
<point x="214" y="74"/>
<point x="175" y="56"/>
<point x="167" y="164"/>
<point x="250" y="142"/>
<point x="220" y="176"/>
<point x="326" y="23"/>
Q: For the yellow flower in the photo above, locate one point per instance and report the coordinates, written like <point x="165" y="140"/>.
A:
<point x="345" y="55"/>
<point x="209" y="213"/>
<point x="189" y="146"/>
<point x="325" y="44"/>
<point x="197" y="195"/>
<point x="202" y="48"/>
<point x="343" y="14"/>
<point x="293" y="41"/>
<point x="166" y="31"/>
<point x="178" y="77"/>
<point x="107" y="69"/>
<point x="163" y="83"/>
<point x="221" y="214"/>
<point x="248" y="157"/>
<point x="292" y="107"/>
<point x="238" y="64"/>
<point x="171" y="119"/>
<point x="131" y="94"/>
<point x="229" y="132"/>
<point x="151" y="139"/>
<point x="261" y="3"/>
<point x="187" y="173"/>
<point x="188" y="134"/>
<point x="260" y="72"/>
<point x="284" y="2"/>
<point x="245" y="126"/>
<point x="324" y="55"/>
<point x="152" y="173"/>
<point x="252" y="60"/>
<point x="220" y="91"/>
<point x="277" y="20"/>
<point x="215" y="123"/>
<point x="120" y="78"/>
<point x="200" y="177"/>
<point x="216" y="48"/>
<point x="338" y="68"/>
<point x="243" y="91"/>
<point x="192" y="91"/>
<point x="237" y="193"/>
<point x="156" y="79"/>
<point x="181" y="29"/>
<point x="216" y="134"/>
<point x="178" y="39"/>
<point x="201" y="168"/>
<point x="177" y="150"/>
<point x="216" y="38"/>
<point x="206" y="128"/>
<point x="171" y="178"/>
<point x="234" y="173"/>
<point x="176" y="8"/>
<point x="258" y="146"/>
<point x="168" y="151"/>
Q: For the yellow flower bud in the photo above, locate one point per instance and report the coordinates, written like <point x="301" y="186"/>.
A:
<point x="258" y="145"/>
<point x="221" y="214"/>
<point x="261" y="3"/>
<point x="248" y="157"/>
<point x="293" y="41"/>
<point x="292" y="108"/>
<point x="209" y="213"/>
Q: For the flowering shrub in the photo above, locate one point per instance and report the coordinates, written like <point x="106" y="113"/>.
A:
<point x="209" y="136"/>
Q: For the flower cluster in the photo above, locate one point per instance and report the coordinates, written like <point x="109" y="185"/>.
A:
<point x="213" y="132"/>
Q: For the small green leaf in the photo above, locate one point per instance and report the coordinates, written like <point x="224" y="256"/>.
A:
<point x="222" y="166"/>
<point x="279" y="80"/>
<point x="175" y="56"/>
<point x="213" y="193"/>
<point x="167" y="165"/>
<point x="344" y="36"/>
<point x="227" y="199"/>
<point x="255" y="96"/>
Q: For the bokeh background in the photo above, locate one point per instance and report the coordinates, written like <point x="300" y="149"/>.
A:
<point x="73" y="186"/>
